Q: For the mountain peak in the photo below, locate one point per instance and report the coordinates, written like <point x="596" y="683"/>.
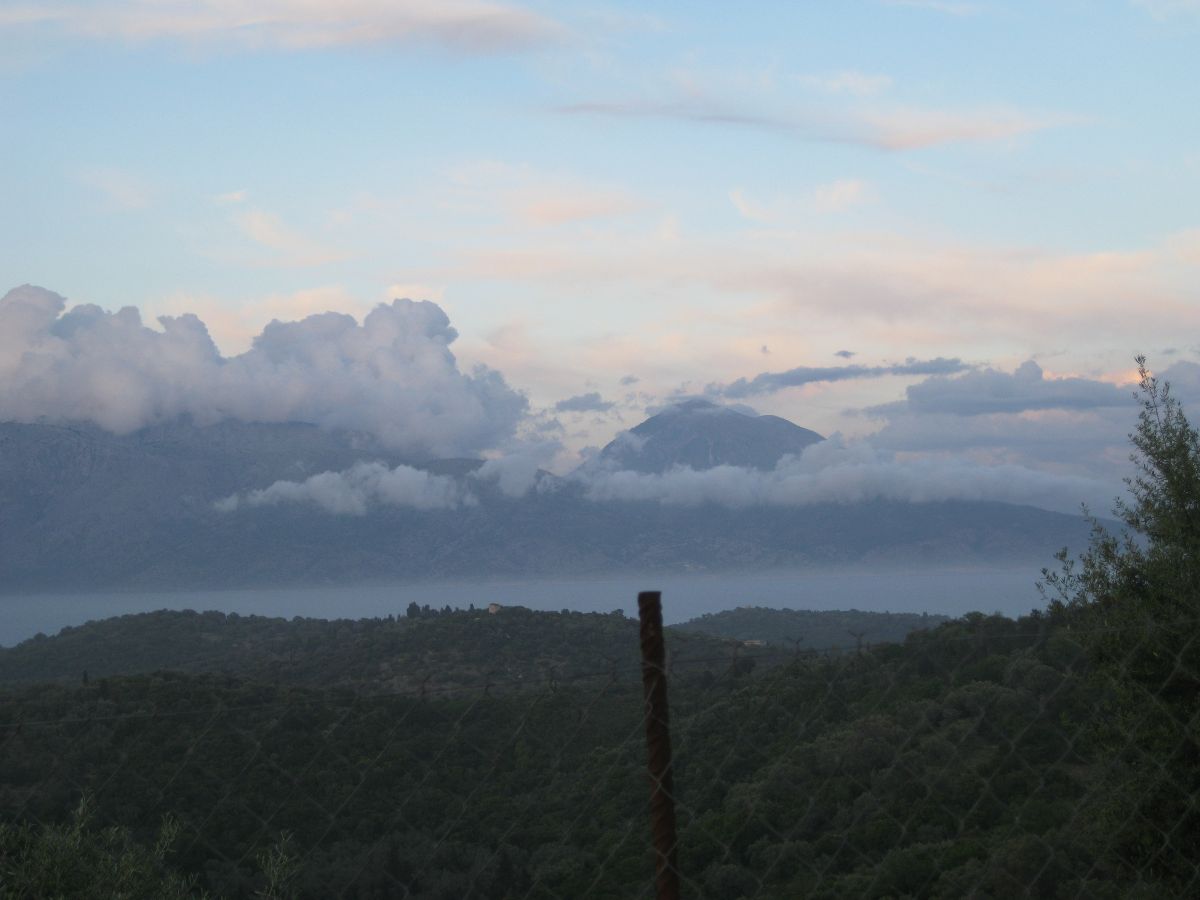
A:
<point x="701" y="435"/>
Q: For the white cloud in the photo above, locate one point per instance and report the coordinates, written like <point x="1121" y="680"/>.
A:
<point x="231" y="198"/>
<point x="860" y="84"/>
<point x="354" y="491"/>
<point x="888" y="128"/>
<point x="122" y="189"/>
<point x="289" y="247"/>
<point x="836" y="472"/>
<point x="393" y="375"/>
<point x="1166" y="9"/>
<point x="841" y="195"/>
<point x="948" y="7"/>
<point x="460" y="26"/>
<point x="749" y="209"/>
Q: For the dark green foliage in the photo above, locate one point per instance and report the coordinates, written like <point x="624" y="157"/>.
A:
<point x="77" y="859"/>
<point x="1135" y="598"/>
<point x="802" y="629"/>
<point x="429" y="650"/>
<point x="961" y="760"/>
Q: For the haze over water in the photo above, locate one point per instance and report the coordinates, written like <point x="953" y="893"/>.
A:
<point x="949" y="592"/>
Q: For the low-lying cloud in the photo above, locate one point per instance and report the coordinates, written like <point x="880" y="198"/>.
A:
<point x="369" y="485"/>
<point x="832" y="471"/>
<point x="392" y="376"/>
<point x="355" y="491"/>
<point x="836" y="472"/>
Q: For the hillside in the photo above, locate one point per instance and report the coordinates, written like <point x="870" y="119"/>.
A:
<point x="802" y="629"/>
<point x="430" y="649"/>
<point x="961" y="762"/>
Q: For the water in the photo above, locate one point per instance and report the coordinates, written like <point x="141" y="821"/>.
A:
<point x="951" y="592"/>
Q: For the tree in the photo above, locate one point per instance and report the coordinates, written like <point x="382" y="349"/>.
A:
<point x="76" y="859"/>
<point x="1135" y="601"/>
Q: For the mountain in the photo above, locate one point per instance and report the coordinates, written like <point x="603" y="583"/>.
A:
<point x="701" y="435"/>
<point x="81" y="508"/>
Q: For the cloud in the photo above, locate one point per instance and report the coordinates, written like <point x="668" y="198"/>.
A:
<point x="122" y="189"/>
<point x="769" y="382"/>
<point x="1166" y="9"/>
<point x="948" y="7"/>
<point x="894" y="129"/>
<point x="392" y="376"/>
<point x="230" y="198"/>
<point x="748" y="209"/>
<point x="591" y="402"/>
<point x="469" y="27"/>
<point x="1053" y="424"/>
<point x="354" y="491"/>
<point x="366" y="485"/>
<point x="561" y="206"/>
<point x="1026" y="388"/>
<point x="860" y="84"/>
<point x="290" y="248"/>
<point x="629" y="379"/>
<point x="837" y="472"/>
<point x="840" y="195"/>
<point x="845" y="354"/>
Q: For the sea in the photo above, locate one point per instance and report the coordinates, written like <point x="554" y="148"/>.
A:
<point x="1010" y="591"/>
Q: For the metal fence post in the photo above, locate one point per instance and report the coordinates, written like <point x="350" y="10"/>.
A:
<point x="658" y="743"/>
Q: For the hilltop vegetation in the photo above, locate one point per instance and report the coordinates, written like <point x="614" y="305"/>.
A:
<point x="423" y="648"/>
<point x="963" y="760"/>
<point x="804" y="629"/>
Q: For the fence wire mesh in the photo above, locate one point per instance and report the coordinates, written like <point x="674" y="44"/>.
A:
<point x="988" y="757"/>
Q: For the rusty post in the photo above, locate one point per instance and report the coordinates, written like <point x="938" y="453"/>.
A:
<point x="658" y="743"/>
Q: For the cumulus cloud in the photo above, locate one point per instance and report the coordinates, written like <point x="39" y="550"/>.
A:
<point x="770" y="382"/>
<point x="590" y="402"/>
<point x="354" y="491"/>
<point x="393" y="375"/>
<point x="836" y="472"/>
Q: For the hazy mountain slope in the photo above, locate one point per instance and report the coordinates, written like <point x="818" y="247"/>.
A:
<point x="81" y="508"/>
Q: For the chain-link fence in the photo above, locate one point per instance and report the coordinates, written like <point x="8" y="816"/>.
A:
<point x="988" y="757"/>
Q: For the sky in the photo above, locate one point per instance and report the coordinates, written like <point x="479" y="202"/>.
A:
<point x="943" y="226"/>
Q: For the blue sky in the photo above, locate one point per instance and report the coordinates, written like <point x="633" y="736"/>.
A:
<point x="685" y="193"/>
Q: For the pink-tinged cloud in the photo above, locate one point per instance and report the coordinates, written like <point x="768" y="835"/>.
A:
<point x="893" y="129"/>
<point x="461" y="26"/>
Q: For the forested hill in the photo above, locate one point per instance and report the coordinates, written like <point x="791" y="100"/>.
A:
<point x="422" y="649"/>
<point x="977" y="759"/>
<point x="804" y="629"/>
